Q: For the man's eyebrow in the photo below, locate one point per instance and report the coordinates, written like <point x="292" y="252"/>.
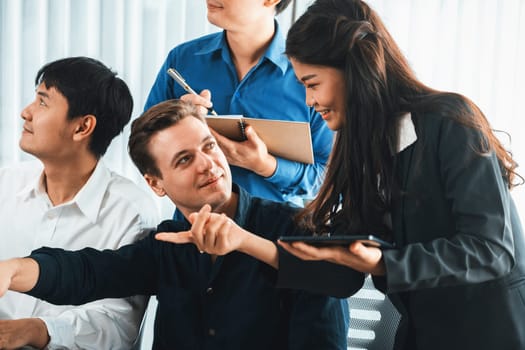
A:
<point x="185" y="151"/>
<point x="307" y="77"/>
<point x="177" y="155"/>
<point x="43" y="94"/>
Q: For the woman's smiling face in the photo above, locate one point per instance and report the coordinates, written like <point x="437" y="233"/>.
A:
<point x="325" y="91"/>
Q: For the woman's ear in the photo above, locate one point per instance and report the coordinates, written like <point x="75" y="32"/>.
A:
<point x="85" y="126"/>
<point x="156" y="184"/>
<point x="269" y="3"/>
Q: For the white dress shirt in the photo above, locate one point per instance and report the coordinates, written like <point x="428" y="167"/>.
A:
<point x="109" y="211"/>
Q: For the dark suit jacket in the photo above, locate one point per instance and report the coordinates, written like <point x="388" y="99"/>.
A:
<point x="458" y="275"/>
<point x="458" y="278"/>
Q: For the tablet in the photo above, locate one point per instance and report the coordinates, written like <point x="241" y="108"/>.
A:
<point x="369" y="240"/>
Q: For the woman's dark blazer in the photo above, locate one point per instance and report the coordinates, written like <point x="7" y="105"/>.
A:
<point x="458" y="278"/>
<point x="458" y="274"/>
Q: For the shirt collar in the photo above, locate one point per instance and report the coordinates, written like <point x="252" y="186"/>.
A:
<point x="274" y="53"/>
<point x="33" y="188"/>
<point x="88" y="199"/>
<point x="407" y="132"/>
<point x="242" y="205"/>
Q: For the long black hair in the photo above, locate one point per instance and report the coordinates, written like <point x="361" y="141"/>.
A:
<point x="380" y="88"/>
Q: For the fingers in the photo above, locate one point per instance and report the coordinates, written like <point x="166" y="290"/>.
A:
<point x="202" y="101"/>
<point x="210" y="232"/>
<point x="223" y="235"/>
<point x="251" y="134"/>
<point x="198" y="226"/>
<point x="224" y="143"/>
<point x="217" y="237"/>
<point x="175" y="237"/>
<point x="370" y="258"/>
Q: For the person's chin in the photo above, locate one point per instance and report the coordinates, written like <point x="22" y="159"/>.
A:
<point x="23" y="145"/>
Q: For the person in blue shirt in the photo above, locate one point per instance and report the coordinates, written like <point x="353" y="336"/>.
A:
<point x="243" y="70"/>
<point x="204" y="301"/>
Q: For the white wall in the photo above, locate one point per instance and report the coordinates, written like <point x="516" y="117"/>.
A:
<point x="473" y="47"/>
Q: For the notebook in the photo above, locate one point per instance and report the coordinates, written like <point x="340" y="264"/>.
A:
<point x="286" y="139"/>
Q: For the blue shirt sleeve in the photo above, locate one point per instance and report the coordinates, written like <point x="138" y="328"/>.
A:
<point x="305" y="179"/>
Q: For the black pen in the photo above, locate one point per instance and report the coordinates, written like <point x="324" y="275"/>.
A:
<point x="180" y="80"/>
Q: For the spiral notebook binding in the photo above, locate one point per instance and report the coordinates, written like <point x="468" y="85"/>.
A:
<point x="242" y="129"/>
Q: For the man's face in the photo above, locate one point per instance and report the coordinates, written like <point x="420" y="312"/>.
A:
<point x="47" y="133"/>
<point x="194" y="169"/>
<point x="236" y="15"/>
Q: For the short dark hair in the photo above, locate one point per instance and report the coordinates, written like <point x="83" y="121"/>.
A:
<point x="157" y="118"/>
<point x="282" y="5"/>
<point x="91" y="88"/>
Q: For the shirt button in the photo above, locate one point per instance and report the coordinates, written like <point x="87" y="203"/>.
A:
<point x="211" y="332"/>
<point x="209" y="290"/>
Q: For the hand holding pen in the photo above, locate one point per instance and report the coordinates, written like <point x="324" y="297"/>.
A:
<point x="182" y="82"/>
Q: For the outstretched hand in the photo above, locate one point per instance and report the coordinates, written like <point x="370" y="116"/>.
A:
<point x="251" y="154"/>
<point x="356" y="256"/>
<point x="211" y="232"/>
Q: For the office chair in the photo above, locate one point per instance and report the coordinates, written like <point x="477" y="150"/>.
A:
<point x="144" y="339"/>
<point x="373" y="319"/>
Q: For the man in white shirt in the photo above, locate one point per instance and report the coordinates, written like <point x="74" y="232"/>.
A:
<point x="69" y="199"/>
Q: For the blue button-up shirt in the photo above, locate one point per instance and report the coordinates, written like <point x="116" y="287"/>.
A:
<point x="230" y="304"/>
<point x="269" y="90"/>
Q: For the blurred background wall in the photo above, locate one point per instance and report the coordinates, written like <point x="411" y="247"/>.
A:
<point x="474" y="47"/>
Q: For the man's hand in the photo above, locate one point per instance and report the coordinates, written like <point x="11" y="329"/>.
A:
<point x="202" y="101"/>
<point x="251" y="154"/>
<point x="217" y="234"/>
<point x="27" y="331"/>
<point x="356" y="256"/>
<point x="212" y="233"/>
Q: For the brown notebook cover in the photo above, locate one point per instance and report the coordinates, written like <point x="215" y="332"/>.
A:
<point x="285" y="139"/>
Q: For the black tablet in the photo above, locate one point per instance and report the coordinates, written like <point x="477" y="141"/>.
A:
<point x="369" y="240"/>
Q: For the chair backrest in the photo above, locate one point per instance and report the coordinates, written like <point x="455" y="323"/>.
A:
<point x="373" y="319"/>
<point x="144" y="340"/>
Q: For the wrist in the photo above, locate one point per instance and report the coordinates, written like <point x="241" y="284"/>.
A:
<point x="269" y="166"/>
<point x="380" y="269"/>
<point x="261" y="249"/>
<point x="245" y="243"/>
<point x="38" y="330"/>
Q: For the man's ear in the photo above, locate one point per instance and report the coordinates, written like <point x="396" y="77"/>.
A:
<point x="85" y="126"/>
<point x="156" y="184"/>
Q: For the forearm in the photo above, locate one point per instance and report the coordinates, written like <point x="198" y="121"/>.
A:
<point x="261" y="249"/>
<point x="22" y="332"/>
<point x="19" y="274"/>
<point x="297" y="178"/>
